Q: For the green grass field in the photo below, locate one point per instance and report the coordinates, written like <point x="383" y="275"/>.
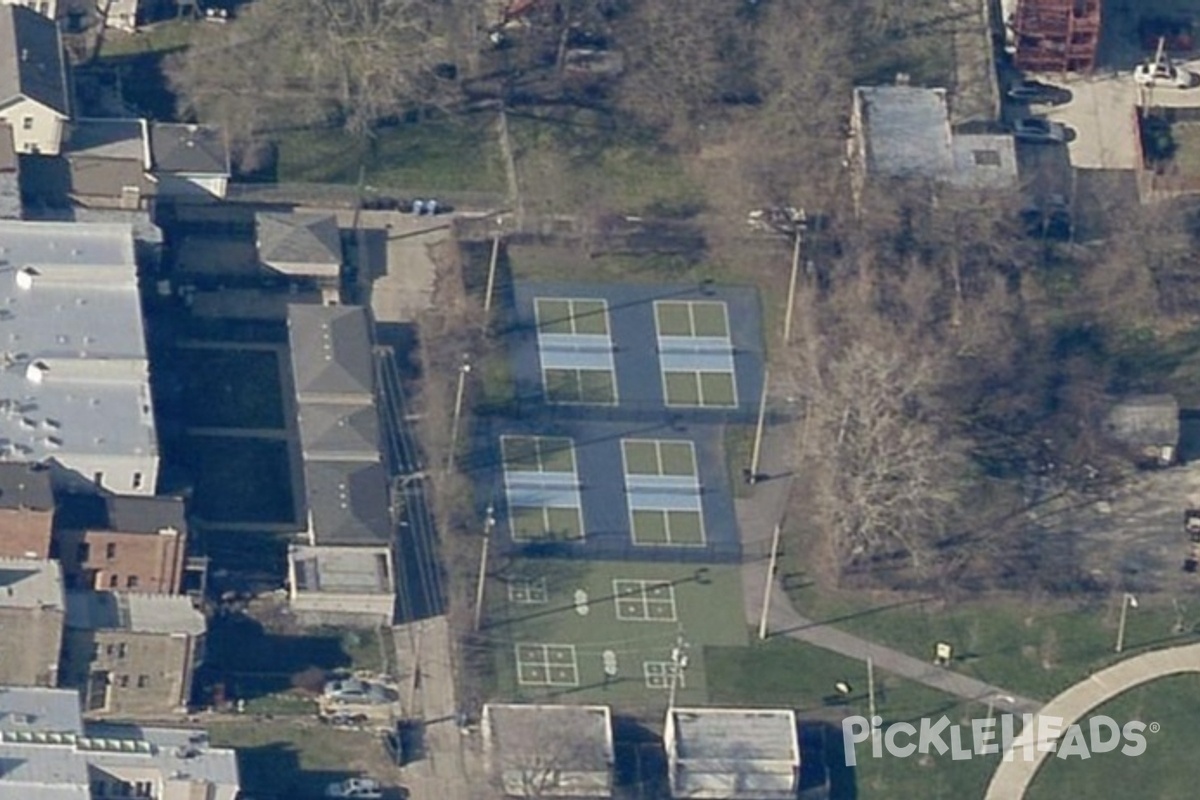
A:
<point x="1164" y="771"/>
<point x="553" y="625"/>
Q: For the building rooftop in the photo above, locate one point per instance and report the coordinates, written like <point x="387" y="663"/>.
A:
<point x="331" y="351"/>
<point x="179" y="754"/>
<point x="906" y="131"/>
<point x="25" y="486"/>
<point x="32" y="62"/>
<point x="738" y="735"/>
<point x="188" y="149"/>
<point x="519" y="731"/>
<point x="348" y="502"/>
<point x="30" y="583"/>
<point x="342" y="570"/>
<point x="984" y="161"/>
<point x="297" y="243"/>
<point x="333" y="431"/>
<point x="11" y="206"/>
<point x="138" y="613"/>
<point x="26" y="708"/>
<point x="123" y="139"/>
<point x="74" y="375"/>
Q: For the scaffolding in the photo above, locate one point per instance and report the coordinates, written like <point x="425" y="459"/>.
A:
<point x="1056" y="35"/>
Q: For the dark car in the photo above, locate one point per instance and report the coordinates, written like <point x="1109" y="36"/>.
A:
<point x="406" y="742"/>
<point x="1038" y="92"/>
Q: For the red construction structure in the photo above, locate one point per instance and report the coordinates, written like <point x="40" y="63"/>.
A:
<point x="1056" y="35"/>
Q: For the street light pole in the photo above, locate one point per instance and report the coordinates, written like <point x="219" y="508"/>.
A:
<point x="491" y="279"/>
<point x="489" y="522"/>
<point x="463" y="371"/>
<point x="752" y="478"/>
<point x="1127" y="601"/>
<point x="769" y="582"/>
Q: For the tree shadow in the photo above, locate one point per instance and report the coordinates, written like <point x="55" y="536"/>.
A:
<point x="272" y="772"/>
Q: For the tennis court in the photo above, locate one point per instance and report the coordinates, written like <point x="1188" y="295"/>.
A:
<point x="663" y="489"/>
<point x="575" y="351"/>
<point x="541" y="484"/>
<point x="695" y="353"/>
<point x="606" y="630"/>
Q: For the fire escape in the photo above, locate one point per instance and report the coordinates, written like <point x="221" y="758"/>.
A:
<point x="1056" y="35"/>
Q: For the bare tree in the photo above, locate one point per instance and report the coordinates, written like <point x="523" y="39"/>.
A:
<point x="301" y="62"/>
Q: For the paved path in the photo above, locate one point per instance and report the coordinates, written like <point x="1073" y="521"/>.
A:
<point x="1012" y="778"/>
<point x="757" y="518"/>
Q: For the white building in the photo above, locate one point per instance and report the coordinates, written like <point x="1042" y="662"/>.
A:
<point x="35" y="91"/>
<point x="74" y="377"/>
<point x="48" y="752"/>
<point x="732" y="754"/>
<point x="353" y="585"/>
<point x="189" y="160"/>
<point x="549" y="750"/>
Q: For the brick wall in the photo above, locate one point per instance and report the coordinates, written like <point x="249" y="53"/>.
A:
<point x="149" y="673"/>
<point x="150" y="563"/>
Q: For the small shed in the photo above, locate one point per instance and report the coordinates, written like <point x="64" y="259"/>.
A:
<point x="732" y="753"/>
<point x="300" y="245"/>
<point x="549" y="750"/>
<point x="1146" y="424"/>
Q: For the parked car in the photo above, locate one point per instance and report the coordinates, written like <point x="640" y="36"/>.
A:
<point x="352" y="691"/>
<point x="1163" y="73"/>
<point x="358" y="788"/>
<point x="405" y="743"/>
<point x="1038" y="92"/>
<point x="1039" y="130"/>
<point x="1049" y="218"/>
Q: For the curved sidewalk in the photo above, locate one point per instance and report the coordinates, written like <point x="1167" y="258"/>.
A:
<point x="1012" y="778"/>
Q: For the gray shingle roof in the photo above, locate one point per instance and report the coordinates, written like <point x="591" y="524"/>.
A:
<point x="145" y="514"/>
<point x="32" y="63"/>
<point x="299" y="243"/>
<point x="331" y="351"/>
<point x="109" y="138"/>
<point x="349" y="502"/>
<point x="336" y="431"/>
<point x="140" y="613"/>
<point x="188" y="149"/>
<point x="25" y="486"/>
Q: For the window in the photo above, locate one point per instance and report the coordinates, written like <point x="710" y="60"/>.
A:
<point x="27" y="123"/>
<point x="113" y="580"/>
<point x="143" y="681"/>
<point x="95" y="650"/>
<point x="123" y="681"/>
<point x="121" y="654"/>
<point x="131" y="582"/>
<point x="110" y="649"/>
<point x="110" y="550"/>
<point x="143" y="789"/>
<point x="83" y="552"/>
<point x="137" y="480"/>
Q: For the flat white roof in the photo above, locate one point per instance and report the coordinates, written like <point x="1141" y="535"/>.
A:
<point x="28" y="708"/>
<point x="140" y="613"/>
<point x="735" y="735"/>
<point x="30" y="583"/>
<point x="342" y="570"/>
<point x="74" y="378"/>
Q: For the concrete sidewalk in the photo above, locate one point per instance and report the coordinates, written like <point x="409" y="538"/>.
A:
<point x="757" y="517"/>
<point x="1012" y="778"/>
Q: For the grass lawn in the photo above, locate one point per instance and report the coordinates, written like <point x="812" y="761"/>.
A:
<point x="565" y="619"/>
<point x="288" y="759"/>
<point x="1164" y="771"/>
<point x="584" y="162"/>
<point x="240" y="479"/>
<point x="739" y="450"/>
<point x="783" y="673"/>
<point x="539" y="263"/>
<point x="162" y="37"/>
<point x="1034" y="648"/>
<point x="442" y="155"/>
<point x="231" y="388"/>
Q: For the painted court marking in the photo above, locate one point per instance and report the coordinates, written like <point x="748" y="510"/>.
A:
<point x="547" y="665"/>
<point x="541" y="486"/>
<point x="644" y="601"/>
<point x="695" y="353"/>
<point x="662" y="485"/>
<point x="658" y="675"/>
<point x="575" y="351"/>
<point x="528" y="591"/>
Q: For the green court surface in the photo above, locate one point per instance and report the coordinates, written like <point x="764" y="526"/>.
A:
<point x="692" y="318"/>
<point x="538" y="454"/>
<point x="678" y="528"/>
<point x="659" y="457"/>
<point x="591" y="386"/>
<point x="547" y="524"/>
<point x="558" y="315"/>
<point x="709" y="389"/>
<point x="589" y="632"/>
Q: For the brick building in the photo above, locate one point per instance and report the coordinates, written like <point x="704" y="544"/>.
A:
<point x="26" y="511"/>
<point x="128" y="543"/>
<point x="131" y="653"/>
<point x="31" y="621"/>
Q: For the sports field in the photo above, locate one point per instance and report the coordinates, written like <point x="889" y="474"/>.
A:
<point x="588" y="631"/>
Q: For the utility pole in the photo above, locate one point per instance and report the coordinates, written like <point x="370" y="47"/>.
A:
<point x="752" y="478"/>
<point x="463" y="370"/>
<point x="800" y="223"/>
<point x="1127" y="601"/>
<point x="491" y="279"/>
<point x="489" y="522"/>
<point x="679" y="662"/>
<point x="769" y="582"/>
<point x="871" y="687"/>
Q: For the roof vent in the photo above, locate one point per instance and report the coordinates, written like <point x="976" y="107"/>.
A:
<point x="25" y="277"/>
<point x="37" y="371"/>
